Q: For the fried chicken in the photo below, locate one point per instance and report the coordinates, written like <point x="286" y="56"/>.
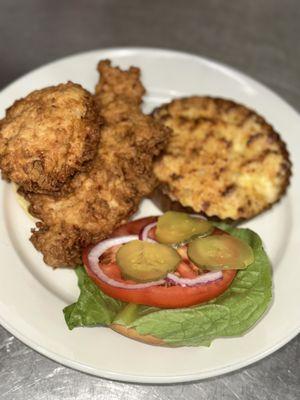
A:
<point x="48" y="136"/>
<point x="104" y="197"/>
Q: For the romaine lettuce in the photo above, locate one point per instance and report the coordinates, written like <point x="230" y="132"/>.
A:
<point x="231" y="314"/>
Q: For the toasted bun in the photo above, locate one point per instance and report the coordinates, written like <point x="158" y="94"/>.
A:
<point x="133" y="334"/>
<point x="23" y="203"/>
<point x="223" y="159"/>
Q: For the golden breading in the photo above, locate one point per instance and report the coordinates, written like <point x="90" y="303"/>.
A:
<point x="122" y="173"/>
<point x="48" y="136"/>
<point x="223" y="159"/>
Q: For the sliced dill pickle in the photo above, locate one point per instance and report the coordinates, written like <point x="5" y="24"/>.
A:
<point x="220" y="252"/>
<point x="178" y="228"/>
<point x="145" y="261"/>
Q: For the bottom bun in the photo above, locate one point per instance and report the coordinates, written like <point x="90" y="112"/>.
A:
<point x="133" y="334"/>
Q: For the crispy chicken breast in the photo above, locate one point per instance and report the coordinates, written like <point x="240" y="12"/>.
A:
<point x="223" y="159"/>
<point x="121" y="174"/>
<point x="48" y="136"/>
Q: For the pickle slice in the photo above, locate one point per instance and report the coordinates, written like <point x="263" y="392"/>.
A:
<point x="220" y="252"/>
<point x="178" y="228"/>
<point x="145" y="261"/>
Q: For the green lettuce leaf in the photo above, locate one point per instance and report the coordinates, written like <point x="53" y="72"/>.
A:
<point x="93" y="307"/>
<point x="231" y="314"/>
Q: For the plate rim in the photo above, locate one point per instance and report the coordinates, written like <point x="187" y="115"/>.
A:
<point x="120" y="49"/>
<point x="78" y="366"/>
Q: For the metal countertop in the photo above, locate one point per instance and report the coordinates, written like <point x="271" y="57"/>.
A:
<point x="261" y="38"/>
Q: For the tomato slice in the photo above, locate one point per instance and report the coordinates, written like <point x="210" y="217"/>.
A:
<point x="133" y="227"/>
<point x="158" y="296"/>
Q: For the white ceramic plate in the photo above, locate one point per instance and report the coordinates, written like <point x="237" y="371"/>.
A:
<point x="32" y="295"/>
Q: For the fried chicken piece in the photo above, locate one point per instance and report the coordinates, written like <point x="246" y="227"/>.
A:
<point x="121" y="174"/>
<point x="48" y="136"/>
<point x="223" y="159"/>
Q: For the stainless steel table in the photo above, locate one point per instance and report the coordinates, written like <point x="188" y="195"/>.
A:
<point x="260" y="38"/>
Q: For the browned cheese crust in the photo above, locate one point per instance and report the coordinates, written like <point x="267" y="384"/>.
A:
<point x="223" y="159"/>
<point x="48" y="136"/>
<point x="99" y="200"/>
<point x="133" y="334"/>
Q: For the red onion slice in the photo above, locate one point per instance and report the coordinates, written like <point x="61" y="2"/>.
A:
<point x="143" y="235"/>
<point x="202" y="279"/>
<point x="100" y="248"/>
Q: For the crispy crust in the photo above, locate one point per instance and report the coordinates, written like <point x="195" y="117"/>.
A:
<point x="133" y="334"/>
<point x="223" y="159"/>
<point x="49" y="136"/>
<point x="116" y="84"/>
<point x="97" y="201"/>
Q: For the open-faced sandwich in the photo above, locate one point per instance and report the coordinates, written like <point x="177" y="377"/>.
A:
<point x="83" y="162"/>
<point x="173" y="280"/>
